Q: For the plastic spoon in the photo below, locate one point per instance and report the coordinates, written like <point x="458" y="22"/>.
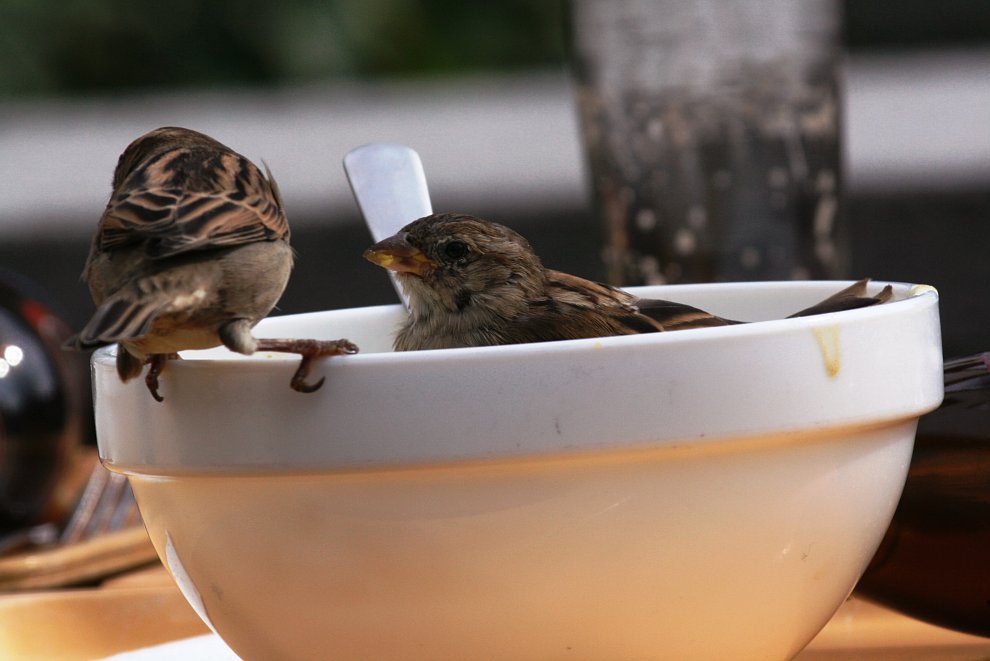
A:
<point x="389" y="185"/>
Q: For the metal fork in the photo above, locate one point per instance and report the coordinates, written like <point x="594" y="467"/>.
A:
<point x="103" y="536"/>
<point x="106" y="504"/>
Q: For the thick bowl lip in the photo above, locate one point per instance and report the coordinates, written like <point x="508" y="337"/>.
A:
<point x="379" y="411"/>
<point x="906" y="295"/>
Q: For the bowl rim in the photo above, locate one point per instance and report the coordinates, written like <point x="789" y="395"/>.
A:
<point x="906" y="295"/>
<point x="229" y="412"/>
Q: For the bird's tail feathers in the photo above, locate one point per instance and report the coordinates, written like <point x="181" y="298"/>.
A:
<point x="119" y="318"/>
<point x="852" y="297"/>
<point x="129" y="313"/>
<point x="968" y="373"/>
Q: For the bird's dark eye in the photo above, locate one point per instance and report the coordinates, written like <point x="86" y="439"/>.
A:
<point x="455" y="249"/>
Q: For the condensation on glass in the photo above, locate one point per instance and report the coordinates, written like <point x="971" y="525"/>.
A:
<point x="712" y="132"/>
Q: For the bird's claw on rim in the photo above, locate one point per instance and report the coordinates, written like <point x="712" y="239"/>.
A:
<point x="311" y="350"/>
<point x="298" y="382"/>
<point x="156" y="363"/>
<point x="151" y="380"/>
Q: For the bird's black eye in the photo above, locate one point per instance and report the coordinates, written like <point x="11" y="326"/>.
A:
<point x="455" y="249"/>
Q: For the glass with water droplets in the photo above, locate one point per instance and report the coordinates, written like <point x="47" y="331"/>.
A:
<point x="712" y="131"/>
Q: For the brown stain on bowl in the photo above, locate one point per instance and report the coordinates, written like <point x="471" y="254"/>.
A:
<point x="830" y="348"/>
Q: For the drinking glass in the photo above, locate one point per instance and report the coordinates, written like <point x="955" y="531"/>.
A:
<point x="712" y="135"/>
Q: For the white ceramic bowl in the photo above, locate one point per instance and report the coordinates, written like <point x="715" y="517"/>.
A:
<point x="712" y="493"/>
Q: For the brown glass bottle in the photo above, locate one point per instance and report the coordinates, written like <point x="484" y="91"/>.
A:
<point x="42" y="408"/>
<point x="934" y="561"/>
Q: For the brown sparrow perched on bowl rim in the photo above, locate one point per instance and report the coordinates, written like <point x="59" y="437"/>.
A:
<point x="191" y="252"/>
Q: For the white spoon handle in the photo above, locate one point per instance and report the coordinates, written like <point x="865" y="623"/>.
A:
<point x="390" y="188"/>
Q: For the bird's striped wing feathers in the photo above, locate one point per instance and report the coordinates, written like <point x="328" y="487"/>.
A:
<point x="188" y="199"/>
<point x="679" y="316"/>
<point x="627" y="313"/>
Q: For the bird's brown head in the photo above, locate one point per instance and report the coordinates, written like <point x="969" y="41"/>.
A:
<point x="176" y="190"/>
<point x="157" y="142"/>
<point x="449" y="259"/>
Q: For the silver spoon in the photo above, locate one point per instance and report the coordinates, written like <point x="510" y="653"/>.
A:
<point x="389" y="185"/>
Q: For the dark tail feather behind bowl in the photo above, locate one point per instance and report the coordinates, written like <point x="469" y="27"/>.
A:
<point x="852" y="297"/>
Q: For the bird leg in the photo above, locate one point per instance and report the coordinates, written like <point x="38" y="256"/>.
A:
<point x="310" y="350"/>
<point x="156" y="363"/>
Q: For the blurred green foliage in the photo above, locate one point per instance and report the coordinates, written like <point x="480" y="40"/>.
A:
<point x="52" y="47"/>
<point x="71" y="46"/>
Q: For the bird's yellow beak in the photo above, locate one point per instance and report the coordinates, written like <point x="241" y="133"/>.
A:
<point x="397" y="254"/>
